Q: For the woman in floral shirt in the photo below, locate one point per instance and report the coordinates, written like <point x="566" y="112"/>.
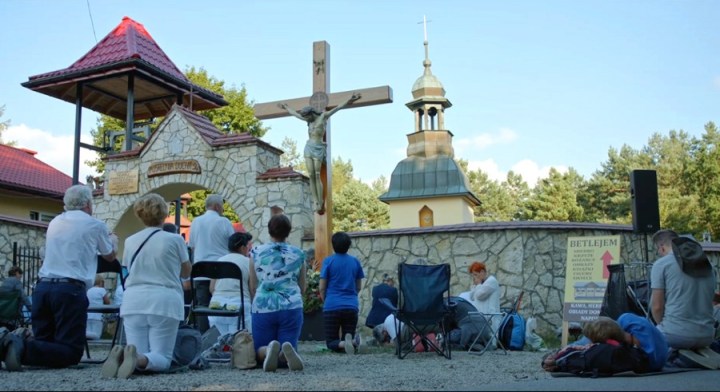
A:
<point x="277" y="281"/>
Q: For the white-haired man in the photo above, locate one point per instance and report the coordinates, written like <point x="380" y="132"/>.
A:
<point x="59" y="315"/>
<point x="209" y="235"/>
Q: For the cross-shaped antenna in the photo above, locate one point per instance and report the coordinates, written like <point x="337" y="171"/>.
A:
<point x="425" y="22"/>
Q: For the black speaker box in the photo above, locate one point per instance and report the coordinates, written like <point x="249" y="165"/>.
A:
<point x="644" y="197"/>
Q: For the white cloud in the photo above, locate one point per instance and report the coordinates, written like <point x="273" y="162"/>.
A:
<point x="56" y="151"/>
<point x="484" y="140"/>
<point x="716" y="82"/>
<point x="530" y="171"/>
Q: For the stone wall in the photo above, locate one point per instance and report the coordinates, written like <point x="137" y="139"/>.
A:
<point x="524" y="256"/>
<point x="25" y="233"/>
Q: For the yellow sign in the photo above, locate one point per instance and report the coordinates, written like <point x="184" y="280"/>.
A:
<point x="123" y="182"/>
<point x="172" y="167"/>
<point x="586" y="275"/>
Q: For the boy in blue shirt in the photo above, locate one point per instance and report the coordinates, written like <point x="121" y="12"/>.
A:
<point x="340" y="282"/>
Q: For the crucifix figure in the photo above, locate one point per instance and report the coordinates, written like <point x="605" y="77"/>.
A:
<point x="315" y="148"/>
<point x="323" y="104"/>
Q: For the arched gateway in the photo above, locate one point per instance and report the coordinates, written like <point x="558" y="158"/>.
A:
<point x="186" y="153"/>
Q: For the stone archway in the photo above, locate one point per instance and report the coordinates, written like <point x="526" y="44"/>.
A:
<point x="188" y="153"/>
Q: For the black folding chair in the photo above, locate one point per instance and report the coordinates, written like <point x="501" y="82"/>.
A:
<point x="216" y="270"/>
<point x="104" y="266"/>
<point x="423" y="308"/>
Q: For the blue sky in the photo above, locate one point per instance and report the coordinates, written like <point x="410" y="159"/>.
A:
<point x="534" y="84"/>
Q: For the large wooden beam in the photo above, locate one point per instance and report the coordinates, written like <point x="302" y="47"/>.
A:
<point x="370" y="96"/>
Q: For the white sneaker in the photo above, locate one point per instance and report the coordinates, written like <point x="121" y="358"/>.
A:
<point x="291" y="356"/>
<point x="349" y="346"/>
<point x="272" y="351"/>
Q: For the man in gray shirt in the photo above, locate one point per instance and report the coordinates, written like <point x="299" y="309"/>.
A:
<point x="682" y="292"/>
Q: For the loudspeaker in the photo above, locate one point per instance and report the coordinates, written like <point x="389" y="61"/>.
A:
<point x="644" y="195"/>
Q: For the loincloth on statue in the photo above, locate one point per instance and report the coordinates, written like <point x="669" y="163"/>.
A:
<point x="316" y="150"/>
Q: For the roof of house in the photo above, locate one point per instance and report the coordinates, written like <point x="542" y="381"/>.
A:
<point x="22" y="172"/>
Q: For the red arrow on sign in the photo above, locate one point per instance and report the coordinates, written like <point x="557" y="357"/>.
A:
<point x="606" y="259"/>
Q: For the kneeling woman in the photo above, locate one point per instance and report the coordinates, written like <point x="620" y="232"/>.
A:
<point x="152" y="305"/>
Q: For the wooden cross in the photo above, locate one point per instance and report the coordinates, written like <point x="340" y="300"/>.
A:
<point x="321" y="83"/>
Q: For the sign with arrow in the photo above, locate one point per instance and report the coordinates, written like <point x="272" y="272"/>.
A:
<point x="586" y="275"/>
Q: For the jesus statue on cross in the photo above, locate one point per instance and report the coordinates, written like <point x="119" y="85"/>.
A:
<point x="316" y="149"/>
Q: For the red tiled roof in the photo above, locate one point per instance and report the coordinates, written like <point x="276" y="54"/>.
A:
<point x="129" y="40"/>
<point x="21" y="171"/>
<point x="280" y="172"/>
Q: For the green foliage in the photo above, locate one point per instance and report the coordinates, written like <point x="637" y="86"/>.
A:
<point x="4" y="126"/>
<point x="555" y="198"/>
<point x="291" y="157"/>
<point x="196" y="205"/>
<point x="238" y="115"/>
<point x="342" y="174"/>
<point x="356" y="207"/>
<point x="311" y="296"/>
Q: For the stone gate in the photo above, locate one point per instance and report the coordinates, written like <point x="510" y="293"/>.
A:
<point x="186" y="153"/>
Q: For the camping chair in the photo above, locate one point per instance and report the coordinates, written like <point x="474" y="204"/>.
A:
<point x="423" y="298"/>
<point x="104" y="266"/>
<point x="11" y="315"/>
<point x="216" y="270"/>
<point x="484" y="324"/>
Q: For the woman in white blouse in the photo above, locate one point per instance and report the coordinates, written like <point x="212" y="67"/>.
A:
<point x="484" y="293"/>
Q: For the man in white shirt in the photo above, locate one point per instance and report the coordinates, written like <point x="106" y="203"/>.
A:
<point x="209" y="235"/>
<point x="59" y="316"/>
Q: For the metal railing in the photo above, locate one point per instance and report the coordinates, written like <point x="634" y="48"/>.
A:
<point x="29" y="260"/>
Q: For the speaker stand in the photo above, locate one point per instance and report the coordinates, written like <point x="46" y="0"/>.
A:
<point x="646" y="252"/>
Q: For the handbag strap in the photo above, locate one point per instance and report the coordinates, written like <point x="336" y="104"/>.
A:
<point x="140" y="247"/>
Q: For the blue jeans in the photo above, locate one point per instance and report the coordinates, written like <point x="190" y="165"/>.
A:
<point x="282" y="325"/>
<point x="59" y="320"/>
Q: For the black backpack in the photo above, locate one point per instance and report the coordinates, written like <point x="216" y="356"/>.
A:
<point x="603" y="359"/>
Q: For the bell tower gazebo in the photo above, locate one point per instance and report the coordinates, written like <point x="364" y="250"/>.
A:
<point x="125" y="76"/>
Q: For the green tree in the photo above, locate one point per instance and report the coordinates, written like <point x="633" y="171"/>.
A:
<point x="3" y="127"/>
<point x="519" y="195"/>
<point x="500" y="202"/>
<point x="291" y="157"/>
<point x="238" y="115"/>
<point x="196" y="206"/>
<point x="356" y="208"/>
<point x="606" y="196"/>
<point x="342" y="174"/>
<point x="555" y="198"/>
<point x="703" y="180"/>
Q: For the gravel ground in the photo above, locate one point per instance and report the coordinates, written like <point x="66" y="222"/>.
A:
<point x="379" y="369"/>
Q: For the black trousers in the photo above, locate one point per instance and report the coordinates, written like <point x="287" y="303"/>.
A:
<point x="202" y="292"/>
